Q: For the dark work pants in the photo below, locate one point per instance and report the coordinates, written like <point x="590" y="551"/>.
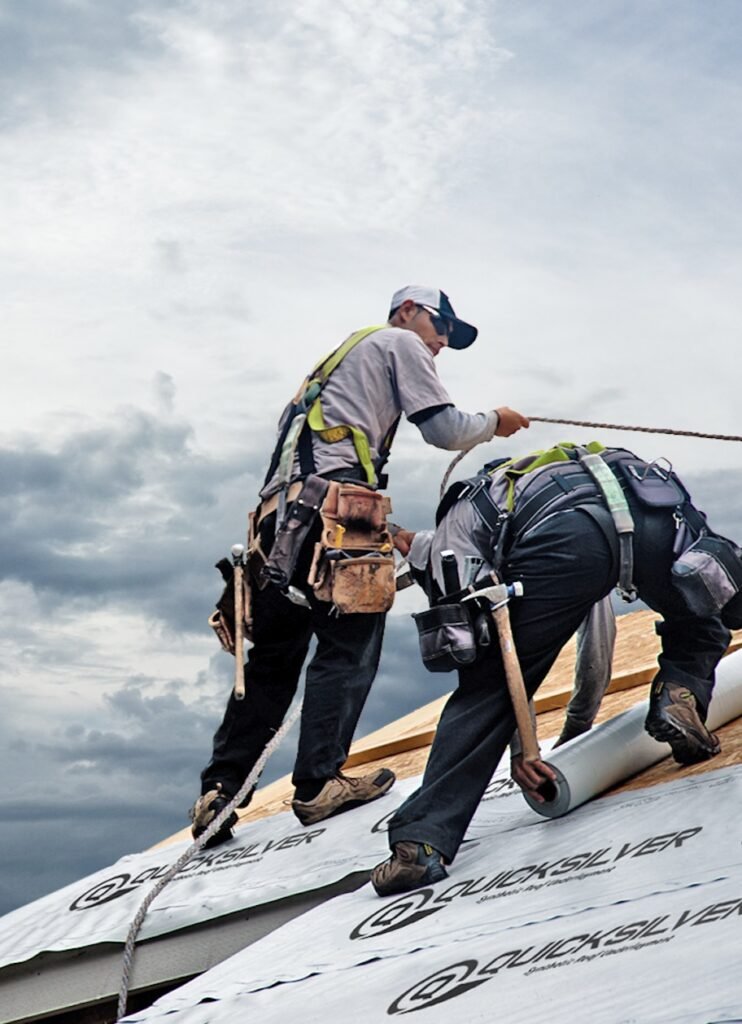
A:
<point x="566" y="564"/>
<point x="338" y="679"/>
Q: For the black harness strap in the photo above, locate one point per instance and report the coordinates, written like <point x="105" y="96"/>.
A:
<point x="559" y="485"/>
<point x="305" y="451"/>
<point x="490" y="514"/>
<point x="383" y="457"/>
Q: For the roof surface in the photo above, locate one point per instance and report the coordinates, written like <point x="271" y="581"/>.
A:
<point x="268" y="875"/>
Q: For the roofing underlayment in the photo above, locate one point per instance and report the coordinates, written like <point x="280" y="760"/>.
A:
<point x="625" y="909"/>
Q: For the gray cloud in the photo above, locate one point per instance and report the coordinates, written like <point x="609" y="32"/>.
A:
<point x="128" y="512"/>
<point x="131" y="516"/>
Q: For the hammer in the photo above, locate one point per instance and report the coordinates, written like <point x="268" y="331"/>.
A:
<point x="238" y="552"/>
<point x="498" y="595"/>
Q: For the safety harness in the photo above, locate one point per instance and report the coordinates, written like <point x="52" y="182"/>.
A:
<point x="526" y="497"/>
<point x="305" y="417"/>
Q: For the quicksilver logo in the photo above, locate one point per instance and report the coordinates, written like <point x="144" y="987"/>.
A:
<point x="413" y="907"/>
<point x="206" y="861"/>
<point x="445" y="984"/>
<point x="565" y="951"/>
<point x="407" y="910"/>
<point x="105" y="891"/>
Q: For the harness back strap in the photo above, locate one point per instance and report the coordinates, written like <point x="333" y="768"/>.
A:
<point x="338" y="432"/>
<point x="618" y="507"/>
<point x="306" y="399"/>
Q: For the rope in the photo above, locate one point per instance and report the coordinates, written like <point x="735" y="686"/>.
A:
<point x="640" y="430"/>
<point x="191" y="852"/>
<point x="599" y="426"/>
<point x="452" y="466"/>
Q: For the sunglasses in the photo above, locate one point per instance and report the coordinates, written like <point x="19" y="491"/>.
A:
<point x="441" y="325"/>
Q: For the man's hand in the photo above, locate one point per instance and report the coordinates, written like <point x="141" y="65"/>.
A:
<point x="510" y="421"/>
<point x="402" y="539"/>
<point x="529" y="775"/>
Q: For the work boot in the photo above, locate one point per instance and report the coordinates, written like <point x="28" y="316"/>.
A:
<point x="341" y="793"/>
<point x="410" y="866"/>
<point x="673" y="718"/>
<point x="205" y="810"/>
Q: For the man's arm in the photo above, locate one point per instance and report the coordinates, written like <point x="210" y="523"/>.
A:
<point x="596" y="640"/>
<point x="450" y="428"/>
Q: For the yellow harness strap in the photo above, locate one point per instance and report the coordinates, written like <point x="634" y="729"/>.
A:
<point x="340" y="431"/>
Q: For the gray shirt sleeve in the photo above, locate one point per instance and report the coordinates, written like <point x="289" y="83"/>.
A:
<point x="455" y="430"/>
<point x="413" y="371"/>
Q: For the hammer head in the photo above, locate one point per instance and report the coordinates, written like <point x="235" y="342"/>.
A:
<point x="498" y="593"/>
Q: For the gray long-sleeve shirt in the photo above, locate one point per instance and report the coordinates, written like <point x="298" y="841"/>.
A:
<point x="453" y="429"/>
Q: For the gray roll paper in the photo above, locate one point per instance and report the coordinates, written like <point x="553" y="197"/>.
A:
<point x="619" y="748"/>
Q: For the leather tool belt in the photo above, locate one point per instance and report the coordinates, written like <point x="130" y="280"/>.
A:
<point x="353" y="564"/>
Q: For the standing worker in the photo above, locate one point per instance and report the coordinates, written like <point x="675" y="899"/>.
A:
<point x="568" y="525"/>
<point x="338" y="428"/>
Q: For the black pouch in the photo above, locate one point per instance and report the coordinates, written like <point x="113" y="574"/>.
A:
<point x="448" y="637"/>
<point x="652" y="485"/>
<point x="708" y="574"/>
<point x="300" y="516"/>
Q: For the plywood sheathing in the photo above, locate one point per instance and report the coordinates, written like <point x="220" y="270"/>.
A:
<point x="404" y="744"/>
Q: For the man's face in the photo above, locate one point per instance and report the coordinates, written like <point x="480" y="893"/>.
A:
<point x="426" y="324"/>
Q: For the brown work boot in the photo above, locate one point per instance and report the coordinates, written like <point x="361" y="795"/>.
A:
<point x="205" y="810"/>
<point x="341" y="793"/>
<point x="410" y="866"/>
<point x="673" y="718"/>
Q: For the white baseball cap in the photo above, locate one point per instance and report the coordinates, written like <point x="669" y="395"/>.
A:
<point x="462" y="335"/>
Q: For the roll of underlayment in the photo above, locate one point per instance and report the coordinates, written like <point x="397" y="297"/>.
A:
<point x="619" y="748"/>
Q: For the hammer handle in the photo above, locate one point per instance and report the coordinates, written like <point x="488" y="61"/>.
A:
<point x="516" y="686"/>
<point x="239" y="635"/>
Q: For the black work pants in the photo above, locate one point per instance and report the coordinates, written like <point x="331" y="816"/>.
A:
<point x="338" y="679"/>
<point x="566" y="564"/>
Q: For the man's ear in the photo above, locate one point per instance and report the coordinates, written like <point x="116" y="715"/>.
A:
<point x="405" y="313"/>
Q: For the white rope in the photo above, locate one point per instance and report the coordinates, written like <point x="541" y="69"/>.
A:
<point x="191" y="852"/>
<point x="454" y="463"/>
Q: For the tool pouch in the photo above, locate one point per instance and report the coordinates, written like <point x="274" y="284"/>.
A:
<point x="652" y="485"/>
<point x="222" y="618"/>
<point x="353" y="565"/>
<point x="708" y="575"/>
<point x="300" y="515"/>
<point x="447" y="634"/>
<point x="224" y="635"/>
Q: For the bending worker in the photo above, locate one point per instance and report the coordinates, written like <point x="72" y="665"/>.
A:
<point x="374" y="377"/>
<point x="545" y="521"/>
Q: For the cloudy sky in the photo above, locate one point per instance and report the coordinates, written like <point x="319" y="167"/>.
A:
<point x="201" y="197"/>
